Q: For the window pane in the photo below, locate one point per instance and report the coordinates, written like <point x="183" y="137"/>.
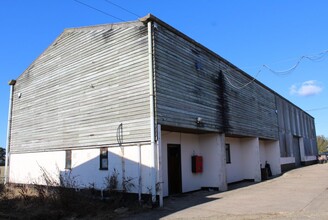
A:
<point x="104" y="163"/>
<point x="68" y="161"/>
<point x="228" y="157"/>
<point x="103" y="152"/>
<point x="103" y="157"/>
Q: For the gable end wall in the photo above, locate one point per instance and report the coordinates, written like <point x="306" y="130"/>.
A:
<point x="81" y="88"/>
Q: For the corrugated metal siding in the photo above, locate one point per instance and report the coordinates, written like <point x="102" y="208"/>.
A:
<point x="81" y="88"/>
<point x="293" y="122"/>
<point x="191" y="83"/>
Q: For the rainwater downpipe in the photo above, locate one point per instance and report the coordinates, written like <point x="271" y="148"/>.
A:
<point x="12" y="84"/>
<point x="152" y="114"/>
<point x="159" y="165"/>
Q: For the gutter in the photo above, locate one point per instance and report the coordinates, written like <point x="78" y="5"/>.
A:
<point x="12" y="84"/>
<point x="152" y="113"/>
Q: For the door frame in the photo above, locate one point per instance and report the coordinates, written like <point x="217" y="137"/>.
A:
<point x="177" y="173"/>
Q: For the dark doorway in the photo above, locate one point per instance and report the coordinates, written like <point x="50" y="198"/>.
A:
<point x="297" y="151"/>
<point x="174" y="168"/>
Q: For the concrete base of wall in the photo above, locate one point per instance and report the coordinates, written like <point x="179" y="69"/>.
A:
<point x="211" y="188"/>
<point x="242" y="181"/>
<point x="288" y="166"/>
<point x="310" y="162"/>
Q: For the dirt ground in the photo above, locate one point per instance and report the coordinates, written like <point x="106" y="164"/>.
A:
<point x="42" y="202"/>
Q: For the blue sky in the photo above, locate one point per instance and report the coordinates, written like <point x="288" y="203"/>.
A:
<point x="247" y="33"/>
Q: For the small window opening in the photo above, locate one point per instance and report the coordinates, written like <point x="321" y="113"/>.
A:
<point x="227" y="150"/>
<point x="68" y="160"/>
<point x="103" y="158"/>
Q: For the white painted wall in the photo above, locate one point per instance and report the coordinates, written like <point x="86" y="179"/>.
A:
<point x="25" y="168"/>
<point x="251" y="158"/>
<point x="189" y="146"/>
<point x="270" y="152"/>
<point x="214" y="164"/>
<point x="207" y="146"/>
<point x="235" y="168"/>
<point x="245" y="159"/>
<point x="245" y="162"/>
<point x="85" y="168"/>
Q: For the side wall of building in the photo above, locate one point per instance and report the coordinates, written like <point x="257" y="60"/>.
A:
<point x="249" y="107"/>
<point x="193" y="82"/>
<point x="297" y="136"/>
<point x="187" y="83"/>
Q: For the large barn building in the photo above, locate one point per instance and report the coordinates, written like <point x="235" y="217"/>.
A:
<point x="146" y="101"/>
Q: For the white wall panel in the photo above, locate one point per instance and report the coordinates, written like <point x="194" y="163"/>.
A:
<point x="245" y="159"/>
<point x="25" y="168"/>
<point x="270" y="152"/>
<point x="207" y="146"/>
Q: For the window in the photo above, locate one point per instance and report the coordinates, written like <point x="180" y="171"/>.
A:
<point x="227" y="150"/>
<point x="103" y="158"/>
<point x="68" y="159"/>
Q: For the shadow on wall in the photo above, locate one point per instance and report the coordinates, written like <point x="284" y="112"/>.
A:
<point x="137" y="177"/>
<point x="122" y="173"/>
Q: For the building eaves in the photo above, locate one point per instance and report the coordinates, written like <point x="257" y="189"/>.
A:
<point x="105" y="26"/>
